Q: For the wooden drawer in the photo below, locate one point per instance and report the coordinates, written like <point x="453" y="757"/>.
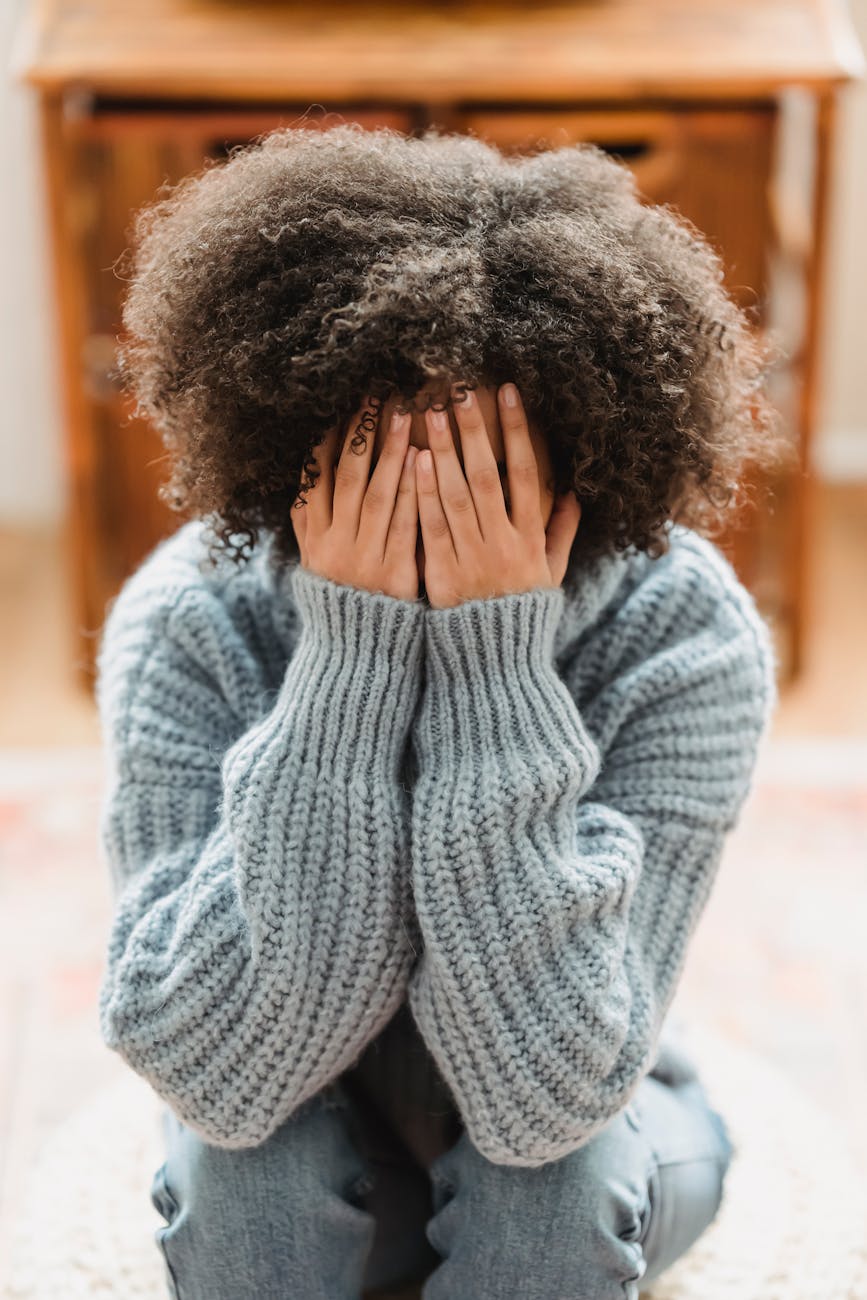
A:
<point x="713" y="166"/>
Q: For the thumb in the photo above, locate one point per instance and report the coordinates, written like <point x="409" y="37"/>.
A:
<point x="560" y="533"/>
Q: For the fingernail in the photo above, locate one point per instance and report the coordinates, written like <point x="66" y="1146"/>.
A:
<point x="440" y="419"/>
<point x="425" y="460"/>
<point x="510" y="395"/>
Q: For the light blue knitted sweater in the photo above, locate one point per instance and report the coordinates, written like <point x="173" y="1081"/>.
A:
<point x="322" y="801"/>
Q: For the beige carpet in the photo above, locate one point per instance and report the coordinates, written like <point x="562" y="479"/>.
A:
<point x="792" y="1226"/>
<point x="776" y="972"/>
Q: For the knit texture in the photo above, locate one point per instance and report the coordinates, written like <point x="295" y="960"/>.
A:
<point x="323" y="801"/>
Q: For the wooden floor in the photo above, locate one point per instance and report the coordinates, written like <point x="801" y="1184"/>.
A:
<point x="42" y="703"/>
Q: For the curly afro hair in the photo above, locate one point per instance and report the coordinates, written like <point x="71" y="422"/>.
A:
<point x="268" y="293"/>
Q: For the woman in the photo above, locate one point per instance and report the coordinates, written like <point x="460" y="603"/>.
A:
<point x="422" y="765"/>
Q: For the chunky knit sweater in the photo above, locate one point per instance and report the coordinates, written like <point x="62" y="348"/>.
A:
<point x="323" y="803"/>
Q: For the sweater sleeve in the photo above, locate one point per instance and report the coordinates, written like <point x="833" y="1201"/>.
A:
<point x="261" y="872"/>
<point x="557" y="888"/>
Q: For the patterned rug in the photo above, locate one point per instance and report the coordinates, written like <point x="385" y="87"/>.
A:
<point x="773" y="992"/>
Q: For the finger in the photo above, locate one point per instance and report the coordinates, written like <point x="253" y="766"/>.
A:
<point x="352" y="470"/>
<point x="319" y="496"/>
<point x="378" y="504"/>
<point x="521" y="463"/>
<point x="480" y="464"/>
<point x="560" y="533"/>
<point x="455" y="501"/>
<point x="403" y="530"/>
<point x="436" y="533"/>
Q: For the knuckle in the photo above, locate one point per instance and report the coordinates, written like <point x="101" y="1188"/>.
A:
<point x="469" y="419"/>
<point x="486" y="479"/>
<point x="460" y="502"/>
<point x="376" y="498"/>
<point x="347" y="473"/>
<point x="525" y="471"/>
<point x="439" y="528"/>
<point x="400" y="528"/>
<point x="512" y="418"/>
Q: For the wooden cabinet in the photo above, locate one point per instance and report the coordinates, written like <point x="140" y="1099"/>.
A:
<point x="688" y="94"/>
<point x="105" y="164"/>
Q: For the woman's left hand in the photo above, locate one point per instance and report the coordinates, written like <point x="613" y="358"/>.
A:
<point x="473" y="548"/>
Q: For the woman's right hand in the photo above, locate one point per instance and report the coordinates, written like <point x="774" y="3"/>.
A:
<point x="361" y="529"/>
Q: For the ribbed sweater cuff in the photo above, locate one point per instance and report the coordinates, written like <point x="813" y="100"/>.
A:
<point x="490" y="665"/>
<point x="357" y="667"/>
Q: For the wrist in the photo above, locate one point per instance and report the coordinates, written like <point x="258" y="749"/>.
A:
<point x="358" y="660"/>
<point x="483" y="641"/>
<point x="492" y="684"/>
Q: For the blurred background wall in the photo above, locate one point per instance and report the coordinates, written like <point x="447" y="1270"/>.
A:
<point x="31" y="484"/>
<point x="843" y="445"/>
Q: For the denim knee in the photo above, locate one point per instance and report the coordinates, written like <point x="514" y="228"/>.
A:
<point x="568" y="1230"/>
<point x="727" y="1147"/>
<point x="692" y="1151"/>
<point x="282" y="1218"/>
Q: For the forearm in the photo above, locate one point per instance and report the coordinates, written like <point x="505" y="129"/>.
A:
<point x="556" y="893"/>
<point x="262" y="942"/>
<point x="519" y="988"/>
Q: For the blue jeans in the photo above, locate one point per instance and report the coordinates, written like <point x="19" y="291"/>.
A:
<point x="324" y="1210"/>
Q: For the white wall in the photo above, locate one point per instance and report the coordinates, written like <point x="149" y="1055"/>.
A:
<point x="31" y="469"/>
<point x="31" y="454"/>
<point x="842" y="449"/>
